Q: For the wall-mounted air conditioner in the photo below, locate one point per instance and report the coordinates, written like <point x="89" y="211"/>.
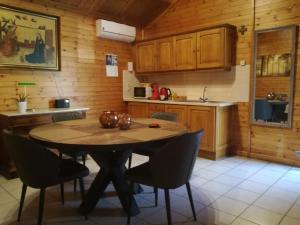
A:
<point x="115" y="31"/>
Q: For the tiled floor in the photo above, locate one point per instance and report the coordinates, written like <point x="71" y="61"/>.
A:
<point x="236" y="190"/>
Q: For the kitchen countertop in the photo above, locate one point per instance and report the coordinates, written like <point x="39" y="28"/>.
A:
<point x="214" y="104"/>
<point x="43" y="111"/>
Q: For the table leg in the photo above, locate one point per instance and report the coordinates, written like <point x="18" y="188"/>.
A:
<point x="112" y="166"/>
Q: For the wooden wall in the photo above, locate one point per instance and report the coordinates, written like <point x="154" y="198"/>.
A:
<point x="82" y="77"/>
<point x="273" y="144"/>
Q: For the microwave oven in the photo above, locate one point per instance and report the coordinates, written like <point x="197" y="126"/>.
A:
<point x="142" y="92"/>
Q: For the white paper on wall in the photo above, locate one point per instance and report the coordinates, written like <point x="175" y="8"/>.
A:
<point x="112" y="65"/>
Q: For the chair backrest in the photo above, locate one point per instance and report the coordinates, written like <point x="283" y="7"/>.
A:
<point x="165" y="116"/>
<point x="36" y="166"/>
<point x="263" y="109"/>
<point x="172" y="165"/>
<point x="58" y="117"/>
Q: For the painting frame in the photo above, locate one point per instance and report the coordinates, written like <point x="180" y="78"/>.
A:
<point x="55" y="48"/>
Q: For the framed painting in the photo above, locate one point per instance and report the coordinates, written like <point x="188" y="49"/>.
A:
<point x="28" y="39"/>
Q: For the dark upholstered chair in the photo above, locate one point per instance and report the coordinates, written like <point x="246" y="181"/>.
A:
<point x="263" y="110"/>
<point x="170" y="167"/>
<point x="40" y="168"/>
<point x="148" y="151"/>
<point x="59" y="117"/>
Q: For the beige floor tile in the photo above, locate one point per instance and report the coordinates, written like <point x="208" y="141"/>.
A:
<point x="253" y="186"/>
<point x="228" y="180"/>
<point x="230" y="206"/>
<point x="240" y="221"/>
<point x="242" y="195"/>
<point x="210" y="216"/>
<point x="289" y="221"/>
<point x="273" y="204"/>
<point x="294" y="212"/>
<point x="215" y="187"/>
<point x="261" y="216"/>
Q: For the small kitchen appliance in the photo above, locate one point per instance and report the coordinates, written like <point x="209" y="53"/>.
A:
<point x="142" y="92"/>
<point x="62" y="103"/>
<point x="155" y="91"/>
<point x="165" y="93"/>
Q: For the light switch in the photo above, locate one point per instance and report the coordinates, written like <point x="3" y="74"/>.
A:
<point x="130" y="66"/>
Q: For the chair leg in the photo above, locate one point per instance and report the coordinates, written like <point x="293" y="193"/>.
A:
<point x="130" y="202"/>
<point x="129" y="161"/>
<point x="188" y="187"/>
<point x="83" y="159"/>
<point x="41" y="206"/>
<point x="62" y="193"/>
<point x="156" y="195"/>
<point x="82" y="193"/>
<point x="24" y="188"/>
<point x="60" y="155"/>
<point x="75" y="180"/>
<point x="168" y="207"/>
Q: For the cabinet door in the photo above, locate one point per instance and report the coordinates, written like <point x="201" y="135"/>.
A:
<point x="211" y="49"/>
<point x="152" y="108"/>
<point x="185" y="51"/>
<point x="203" y="117"/>
<point x="180" y="110"/>
<point x="146" y="56"/>
<point x="165" y="54"/>
<point x="138" y="110"/>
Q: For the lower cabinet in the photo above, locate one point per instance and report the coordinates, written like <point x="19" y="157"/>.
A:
<point x="203" y="117"/>
<point x="154" y="108"/>
<point x="138" y="109"/>
<point x="180" y="110"/>
<point x="214" y="120"/>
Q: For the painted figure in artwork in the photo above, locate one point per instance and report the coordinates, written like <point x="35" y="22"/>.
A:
<point x="38" y="54"/>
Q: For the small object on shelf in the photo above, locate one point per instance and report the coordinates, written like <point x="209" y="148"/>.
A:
<point x="22" y="107"/>
<point x="155" y="91"/>
<point x="154" y="125"/>
<point x="271" y="96"/>
<point x="109" y="119"/>
<point x="179" y="98"/>
<point x="124" y="121"/>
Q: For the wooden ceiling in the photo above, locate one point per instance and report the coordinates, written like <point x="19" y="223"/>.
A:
<point x="132" y="12"/>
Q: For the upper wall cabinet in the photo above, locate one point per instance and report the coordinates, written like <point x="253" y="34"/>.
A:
<point x="185" y="52"/>
<point x="199" y="50"/>
<point x="214" y="49"/>
<point x="146" y="57"/>
<point x="165" y="54"/>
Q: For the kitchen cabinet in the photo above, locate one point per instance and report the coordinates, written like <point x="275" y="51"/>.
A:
<point x="203" y="117"/>
<point x="138" y="110"/>
<point x="165" y="54"/>
<point x="216" y="122"/>
<point x="146" y="56"/>
<point x="180" y="110"/>
<point x="153" y="108"/>
<point x="185" y="51"/>
<point x="206" y="49"/>
<point x="214" y="49"/>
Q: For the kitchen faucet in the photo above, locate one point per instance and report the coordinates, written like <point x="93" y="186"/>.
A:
<point x="203" y="99"/>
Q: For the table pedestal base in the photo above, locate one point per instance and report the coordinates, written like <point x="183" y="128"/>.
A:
<point x="112" y="166"/>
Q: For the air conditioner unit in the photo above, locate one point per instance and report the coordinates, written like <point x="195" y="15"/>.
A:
<point x="115" y="31"/>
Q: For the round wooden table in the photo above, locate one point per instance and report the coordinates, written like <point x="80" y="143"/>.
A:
<point x="110" y="148"/>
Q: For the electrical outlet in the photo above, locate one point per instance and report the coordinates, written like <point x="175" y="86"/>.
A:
<point x="297" y="153"/>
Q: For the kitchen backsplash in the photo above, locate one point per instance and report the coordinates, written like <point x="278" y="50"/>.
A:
<point x="221" y="86"/>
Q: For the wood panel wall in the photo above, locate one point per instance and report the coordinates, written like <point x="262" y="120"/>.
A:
<point x="82" y="77"/>
<point x="273" y="144"/>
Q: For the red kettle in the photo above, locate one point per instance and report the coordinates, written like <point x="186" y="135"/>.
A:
<point x="165" y="92"/>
